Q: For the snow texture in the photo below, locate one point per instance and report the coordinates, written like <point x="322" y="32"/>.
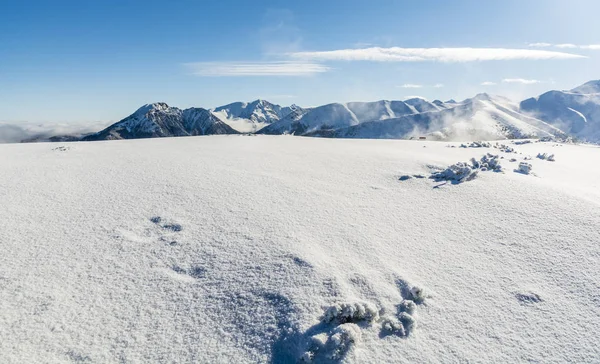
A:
<point x="228" y="249"/>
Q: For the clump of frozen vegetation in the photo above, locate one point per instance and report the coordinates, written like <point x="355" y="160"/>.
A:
<point x="462" y="172"/>
<point x="488" y="162"/>
<point x="341" y="325"/>
<point x="476" y="145"/>
<point x="351" y="312"/>
<point x="335" y="346"/>
<point x="546" y="157"/>
<point x="344" y="337"/>
<point x="521" y="142"/>
<point x="458" y="172"/>
<point x="339" y="341"/>
<point x="391" y="326"/>
<point x="406" y="320"/>
<point x="504" y="148"/>
<point x="524" y="168"/>
<point x="417" y="295"/>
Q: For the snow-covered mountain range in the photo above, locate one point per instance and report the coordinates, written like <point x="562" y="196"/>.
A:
<point x="161" y="120"/>
<point x="574" y="113"/>
<point x="251" y="117"/>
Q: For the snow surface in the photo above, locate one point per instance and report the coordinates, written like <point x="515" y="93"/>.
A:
<point x="231" y="248"/>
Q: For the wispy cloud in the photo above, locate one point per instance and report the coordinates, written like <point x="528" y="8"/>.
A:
<point x="521" y="81"/>
<point x="410" y="85"/>
<point x="438" y="85"/>
<point x="566" y="46"/>
<point x="488" y="83"/>
<point x="221" y="69"/>
<point x="540" y="45"/>
<point x="396" y="54"/>
<point x="279" y="32"/>
<point x="414" y="97"/>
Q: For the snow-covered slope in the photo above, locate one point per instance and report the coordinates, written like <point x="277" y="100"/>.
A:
<point x="422" y="105"/>
<point x="336" y="115"/>
<point x="195" y="250"/>
<point x="576" y="112"/>
<point x="161" y="120"/>
<point x="483" y="117"/>
<point x="251" y="117"/>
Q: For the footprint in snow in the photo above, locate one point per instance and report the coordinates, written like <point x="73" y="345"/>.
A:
<point x="168" y="226"/>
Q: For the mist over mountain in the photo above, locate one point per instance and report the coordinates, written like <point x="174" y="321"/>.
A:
<point x="576" y="111"/>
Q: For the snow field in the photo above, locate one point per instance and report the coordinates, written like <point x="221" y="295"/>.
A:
<point x="235" y="249"/>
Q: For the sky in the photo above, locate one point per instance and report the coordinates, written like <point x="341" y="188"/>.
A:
<point x="98" y="61"/>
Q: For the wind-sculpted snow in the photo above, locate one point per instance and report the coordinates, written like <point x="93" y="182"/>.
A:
<point x="232" y="249"/>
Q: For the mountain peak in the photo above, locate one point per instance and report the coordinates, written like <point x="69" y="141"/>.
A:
<point x="590" y="87"/>
<point x="482" y="97"/>
<point x="154" y="106"/>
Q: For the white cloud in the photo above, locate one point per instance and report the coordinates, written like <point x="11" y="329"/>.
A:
<point x="410" y="85"/>
<point x="540" y="45"/>
<point x="520" y="80"/>
<point x="414" y="97"/>
<point x="396" y="54"/>
<point x="565" y="45"/>
<point x="216" y="69"/>
<point x="438" y="85"/>
<point x="488" y="83"/>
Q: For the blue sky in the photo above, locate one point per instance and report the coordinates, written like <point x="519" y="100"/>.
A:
<point x="83" y="61"/>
